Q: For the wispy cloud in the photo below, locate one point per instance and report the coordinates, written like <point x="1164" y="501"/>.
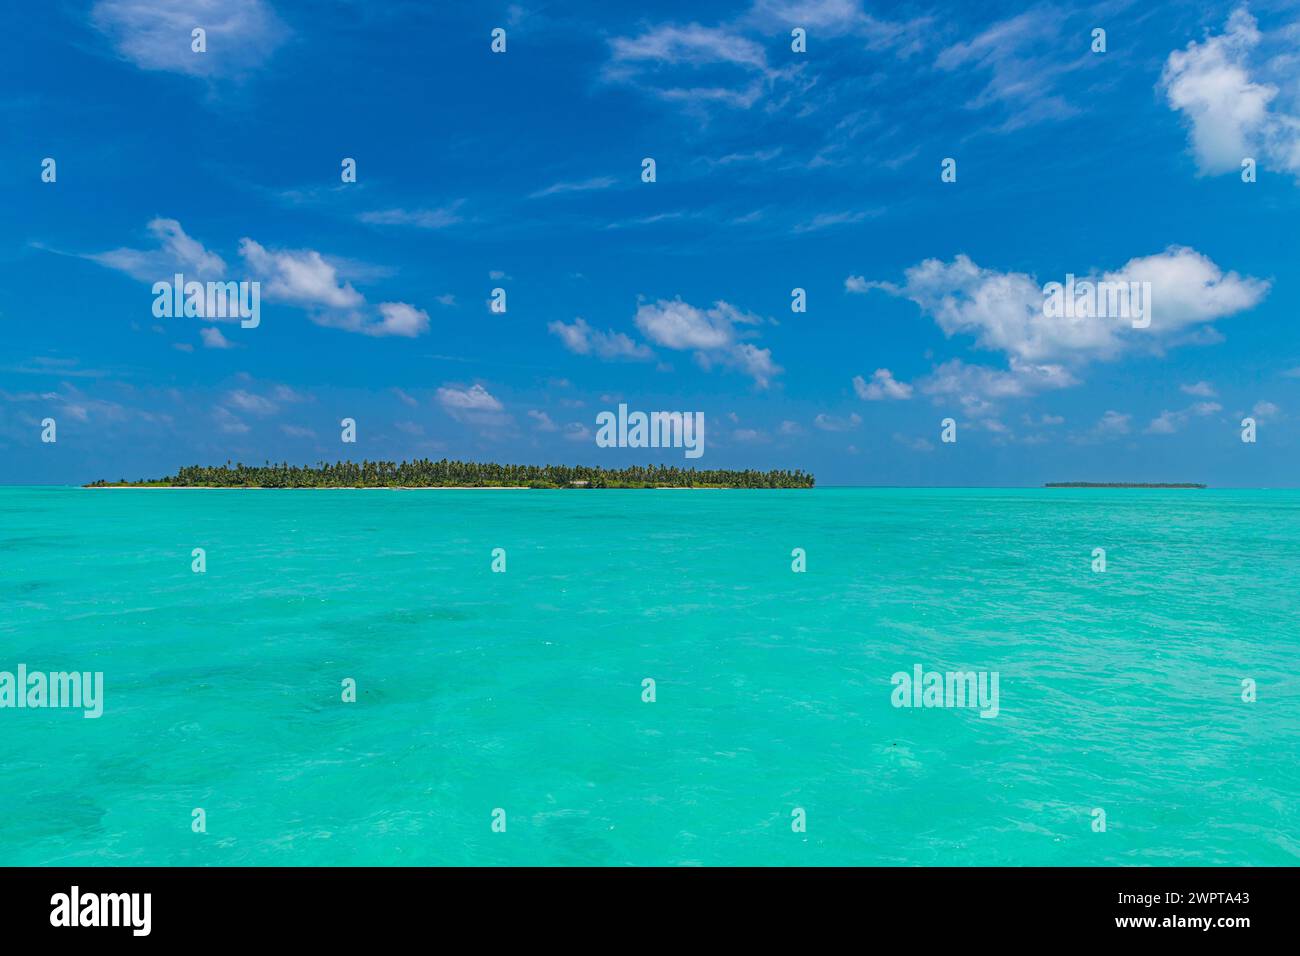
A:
<point x="439" y="218"/>
<point x="156" y="34"/>
<point x="586" y="185"/>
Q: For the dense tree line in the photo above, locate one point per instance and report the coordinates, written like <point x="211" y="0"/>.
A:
<point x="423" y="473"/>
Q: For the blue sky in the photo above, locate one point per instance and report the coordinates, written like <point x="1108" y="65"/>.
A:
<point x="774" y="170"/>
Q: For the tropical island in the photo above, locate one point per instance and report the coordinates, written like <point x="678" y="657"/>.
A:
<point x="423" y="473"/>
<point x="1122" y="484"/>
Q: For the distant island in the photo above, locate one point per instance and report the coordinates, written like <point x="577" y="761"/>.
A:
<point x="1123" y="484"/>
<point x="423" y="473"/>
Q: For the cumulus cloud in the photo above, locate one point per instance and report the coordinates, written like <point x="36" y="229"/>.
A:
<point x="1168" y="422"/>
<point x="755" y="362"/>
<point x="978" y="388"/>
<point x="1200" y="389"/>
<point x="714" y="336"/>
<point x="399" y="318"/>
<point x="306" y="279"/>
<point x="543" y="420"/>
<point x="1231" y="115"/>
<point x="834" y="423"/>
<point x="1003" y="311"/>
<point x="474" y="405"/>
<point x="303" y="278"/>
<point x="580" y="338"/>
<point x="299" y="277"/>
<point x="882" y="386"/>
<point x="213" y="339"/>
<point x="1112" y="424"/>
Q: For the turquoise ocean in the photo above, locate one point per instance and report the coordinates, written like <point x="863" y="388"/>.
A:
<point x="1119" y="691"/>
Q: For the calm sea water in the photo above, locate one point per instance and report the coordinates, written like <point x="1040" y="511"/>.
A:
<point x="1119" y="690"/>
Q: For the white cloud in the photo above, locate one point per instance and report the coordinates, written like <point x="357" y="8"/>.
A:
<point x="977" y="387"/>
<point x="248" y="402"/>
<point x="299" y="277"/>
<point x="1004" y="310"/>
<point x="1201" y="389"/>
<point x="833" y="423"/>
<point x="399" y="318"/>
<point x="474" y="405"/>
<point x="1022" y="63"/>
<point x="882" y="386"/>
<point x="678" y="325"/>
<point x="176" y="252"/>
<point x="1230" y="114"/>
<point x="835" y="18"/>
<point x="419" y="218"/>
<point x="1112" y="424"/>
<point x="586" y="185"/>
<point x="827" y="220"/>
<point x="474" y="398"/>
<point x="543" y="420"/>
<point x="1265" y="410"/>
<point x="914" y="442"/>
<point x="692" y="44"/>
<point x="228" y="423"/>
<point x="1168" y="422"/>
<point x="580" y="338"/>
<point x="307" y="279"/>
<point x="283" y="393"/>
<point x="693" y="65"/>
<point x="712" y="334"/>
<point x="213" y="339"/>
<point x="155" y="34"/>
<point x="303" y="278"/>
<point x="756" y="363"/>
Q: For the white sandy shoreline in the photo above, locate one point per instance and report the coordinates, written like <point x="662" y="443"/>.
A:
<point x="327" y="488"/>
<point x="411" y="488"/>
